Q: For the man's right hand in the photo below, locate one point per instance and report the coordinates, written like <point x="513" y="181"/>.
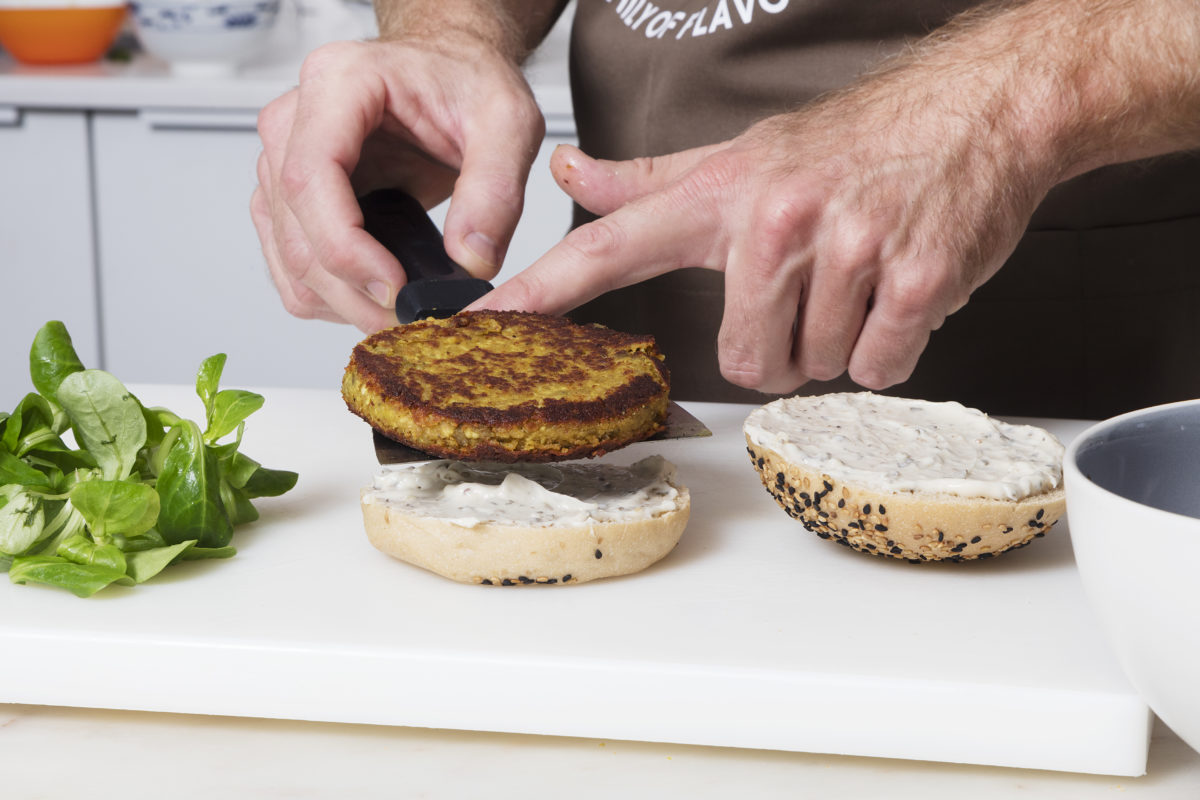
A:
<point x="430" y="115"/>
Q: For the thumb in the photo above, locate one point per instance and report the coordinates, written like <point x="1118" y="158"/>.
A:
<point x="602" y="186"/>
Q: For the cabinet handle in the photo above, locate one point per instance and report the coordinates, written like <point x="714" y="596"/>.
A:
<point x="165" y="119"/>
<point x="10" y="116"/>
<point x="560" y="125"/>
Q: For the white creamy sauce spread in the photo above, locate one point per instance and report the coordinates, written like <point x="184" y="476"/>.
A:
<point x="895" y="445"/>
<point x="546" y="495"/>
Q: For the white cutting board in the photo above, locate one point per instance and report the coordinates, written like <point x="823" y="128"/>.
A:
<point x="752" y="633"/>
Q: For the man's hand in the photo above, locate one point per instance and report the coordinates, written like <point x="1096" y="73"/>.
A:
<point x="429" y="115"/>
<point x="849" y="230"/>
<point x="844" y="240"/>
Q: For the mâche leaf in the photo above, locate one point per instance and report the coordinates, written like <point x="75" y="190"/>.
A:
<point x="22" y="519"/>
<point x="116" y="508"/>
<point x="196" y="553"/>
<point x="14" y="470"/>
<point x="80" y="549"/>
<point x="143" y="490"/>
<point x="106" y="418"/>
<point x="33" y="419"/>
<point x="143" y="565"/>
<point x="52" y="358"/>
<point x="83" y="580"/>
<point x="230" y="407"/>
<point x="270" y="482"/>
<point x="190" y="492"/>
<point x="208" y="377"/>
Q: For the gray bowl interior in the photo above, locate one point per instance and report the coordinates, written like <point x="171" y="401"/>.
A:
<point x="1153" y="459"/>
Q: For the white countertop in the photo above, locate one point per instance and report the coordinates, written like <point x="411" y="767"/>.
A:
<point x="51" y="752"/>
<point x="230" y="726"/>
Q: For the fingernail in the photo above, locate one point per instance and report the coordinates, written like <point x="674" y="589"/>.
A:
<point x="484" y="247"/>
<point x="380" y="292"/>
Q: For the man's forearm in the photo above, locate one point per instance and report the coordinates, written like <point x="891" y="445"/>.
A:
<point x="1082" y="83"/>
<point x="512" y="27"/>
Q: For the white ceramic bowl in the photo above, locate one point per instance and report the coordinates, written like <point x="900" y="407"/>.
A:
<point x="1133" y="505"/>
<point x="203" y="37"/>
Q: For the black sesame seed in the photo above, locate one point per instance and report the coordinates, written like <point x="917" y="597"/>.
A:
<point x="828" y="486"/>
<point x="867" y="508"/>
<point x="506" y="582"/>
<point x="486" y="582"/>
<point x="524" y="580"/>
<point x="897" y="550"/>
<point x="941" y="536"/>
<point x="598" y="553"/>
<point x="976" y="539"/>
<point x="882" y="510"/>
<point x="842" y="503"/>
<point x="881" y="528"/>
<point x="1041" y="513"/>
<point x="823" y="534"/>
<point x="566" y="578"/>
<point x="986" y="555"/>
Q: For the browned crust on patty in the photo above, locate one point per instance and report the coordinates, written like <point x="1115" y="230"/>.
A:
<point x="508" y="386"/>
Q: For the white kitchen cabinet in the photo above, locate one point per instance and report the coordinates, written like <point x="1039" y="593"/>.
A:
<point x="47" y="269"/>
<point x="182" y="273"/>
<point x="181" y="269"/>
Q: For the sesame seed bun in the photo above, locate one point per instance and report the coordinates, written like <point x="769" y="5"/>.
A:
<point x="846" y="503"/>
<point x="510" y="554"/>
<point x="915" y="526"/>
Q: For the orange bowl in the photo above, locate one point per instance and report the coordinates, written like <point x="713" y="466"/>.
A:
<point x="59" y="35"/>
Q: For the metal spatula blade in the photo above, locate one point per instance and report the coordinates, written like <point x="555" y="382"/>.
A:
<point x="680" y="425"/>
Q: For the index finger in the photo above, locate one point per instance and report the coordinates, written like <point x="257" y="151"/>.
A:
<point x="335" y="113"/>
<point x="651" y="236"/>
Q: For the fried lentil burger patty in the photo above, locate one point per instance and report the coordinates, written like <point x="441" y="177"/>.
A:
<point x="508" y="386"/>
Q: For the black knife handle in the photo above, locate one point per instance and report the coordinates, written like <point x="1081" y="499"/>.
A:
<point x="437" y="285"/>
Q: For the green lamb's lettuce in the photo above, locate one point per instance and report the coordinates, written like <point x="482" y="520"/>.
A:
<point x="142" y="490"/>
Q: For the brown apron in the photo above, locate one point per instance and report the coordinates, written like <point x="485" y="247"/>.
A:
<point x="1096" y="312"/>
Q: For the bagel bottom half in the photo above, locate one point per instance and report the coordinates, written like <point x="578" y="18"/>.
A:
<point x="513" y="554"/>
<point x="915" y="526"/>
